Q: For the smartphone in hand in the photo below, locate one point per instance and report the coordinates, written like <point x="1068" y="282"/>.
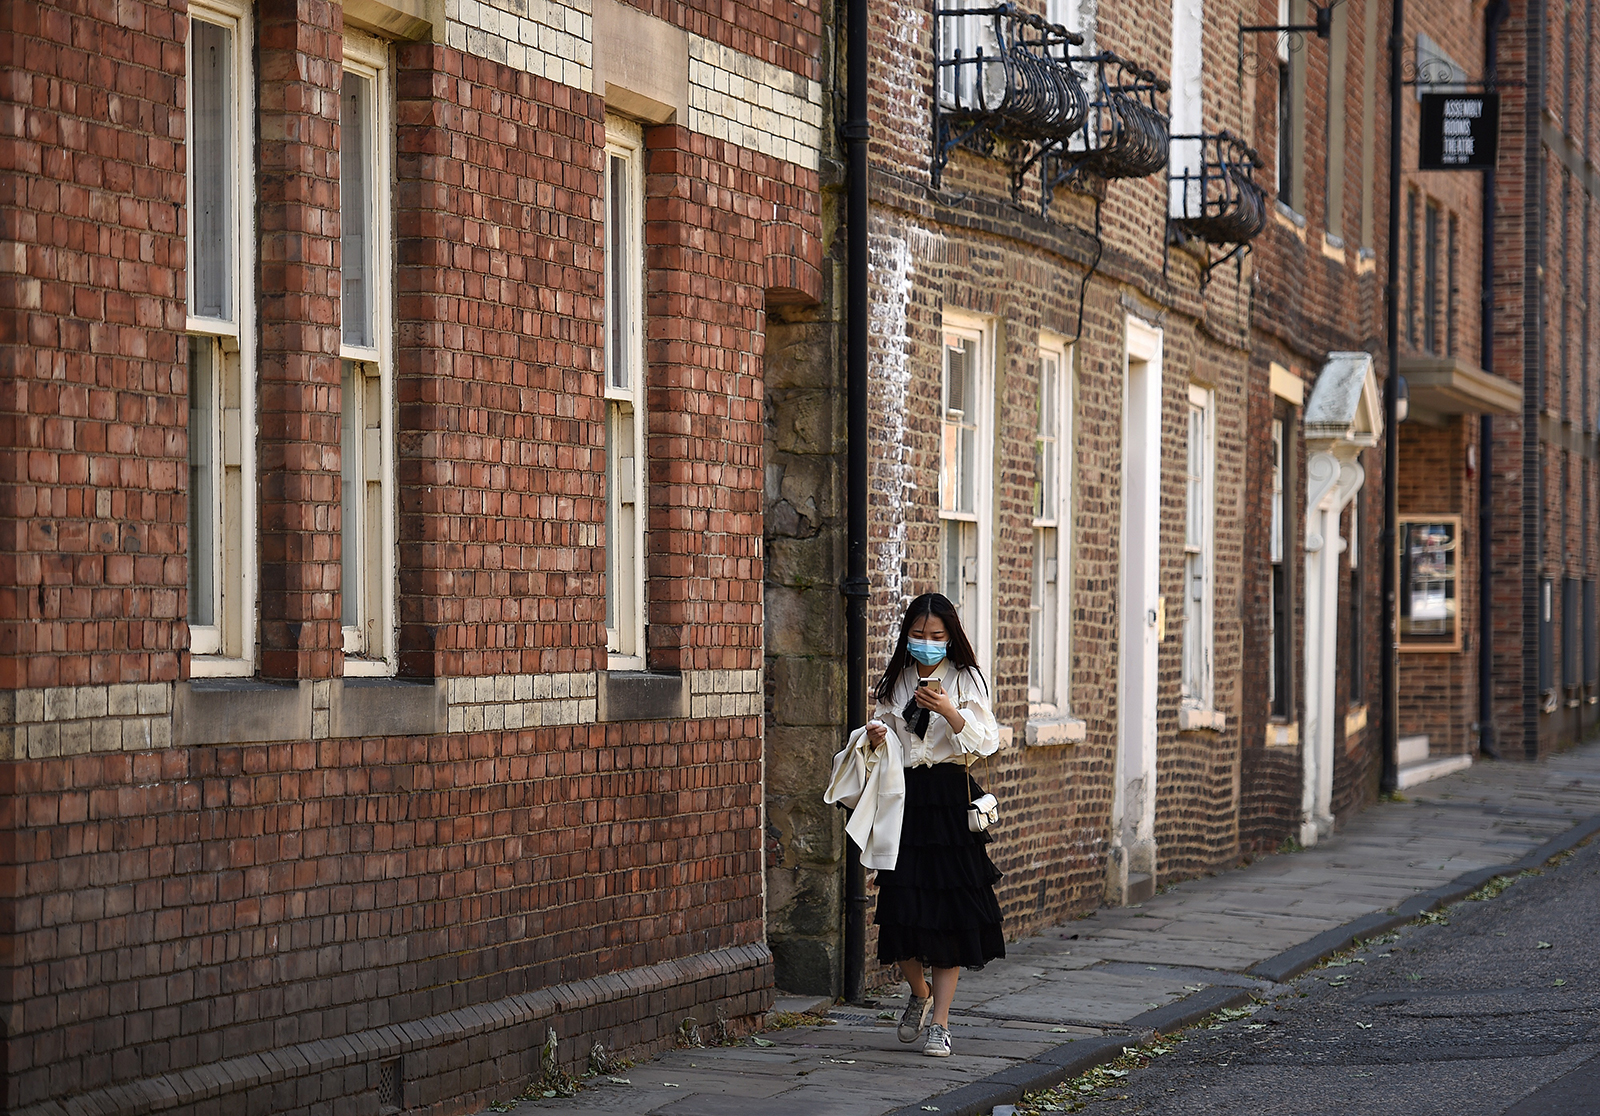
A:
<point x="931" y="683"/>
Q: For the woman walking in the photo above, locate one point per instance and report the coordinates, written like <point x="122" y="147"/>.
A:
<point x="906" y="776"/>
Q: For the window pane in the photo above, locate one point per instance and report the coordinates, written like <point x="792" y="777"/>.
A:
<point x="1192" y="488"/>
<point x="1275" y="539"/>
<point x="356" y="209"/>
<point x="951" y="560"/>
<point x="959" y="481"/>
<point x="352" y="489"/>
<point x="1046" y="458"/>
<point x="211" y="170"/>
<point x="619" y="291"/>
<point x="202" y="481"/>
<point x="1044" y="634"/>
<point x="1430" y="280"/>
<point x="612" y="480"/>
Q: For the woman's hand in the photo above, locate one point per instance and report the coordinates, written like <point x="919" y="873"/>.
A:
<point x="877" y="733"/>
<point x="939" y="702"/>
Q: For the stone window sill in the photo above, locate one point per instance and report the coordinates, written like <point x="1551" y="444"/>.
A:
<point x="635" y="695"/>
<point x="1191" y="719"/>
<point x="250" y="711"/>
<point x="1049" y="732"/>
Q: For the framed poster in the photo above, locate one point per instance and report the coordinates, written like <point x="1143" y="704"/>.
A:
<point x="1430" y="567"/>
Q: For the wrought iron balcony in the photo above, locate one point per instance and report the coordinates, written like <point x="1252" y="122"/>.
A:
<point x="1124" y="133"/>
<point x="1003" y="74"/>
<point x="1215" y="197"/>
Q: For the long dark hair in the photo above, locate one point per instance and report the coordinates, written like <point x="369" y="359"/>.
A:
<point x="959" y="650"/>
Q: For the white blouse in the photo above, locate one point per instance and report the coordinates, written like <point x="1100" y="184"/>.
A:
<point x="980" y="735"/>
<point x="871" y="781"/>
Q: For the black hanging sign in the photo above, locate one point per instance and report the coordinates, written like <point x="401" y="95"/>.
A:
<point x="1460" y="131"/>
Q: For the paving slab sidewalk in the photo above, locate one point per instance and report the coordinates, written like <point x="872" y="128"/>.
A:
<point x="1071" y="996"/>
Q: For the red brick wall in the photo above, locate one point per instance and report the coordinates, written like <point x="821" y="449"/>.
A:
<point x="93" y="411"/>
<point x="186" y="906"/>
<point x="301" y="49"/>
<point x="1439" y="690"/>
<point x="966" y="248"/>
<point x="499" y="375"/>
<point x="174" y="909"/>
<point x="706" y="221"/>
<point x="787" y="35"/>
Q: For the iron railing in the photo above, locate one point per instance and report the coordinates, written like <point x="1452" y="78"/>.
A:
<point x="1124" y="134"/>
<point x="1215" y="198"/>
<point x="1003" y="74"/>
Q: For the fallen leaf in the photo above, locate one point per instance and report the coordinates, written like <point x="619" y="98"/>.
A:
<point x="548" y="1093"/>
<point x="1559" y="983"/>
<point x="763" y="1042"/>
<point x="1364" y="1026"/>
<point x="930" y="1108"/>
<point x="619" y="1081"/>
<point x="672" y="1084"/>
<point x="1060" y="1030"/>
<point x="1544" y="945"/>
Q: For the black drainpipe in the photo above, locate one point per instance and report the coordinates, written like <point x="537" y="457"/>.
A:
<point x="1389" y="781"/>
<point x="1493" y="17"/>
<point x="855" y="585"/>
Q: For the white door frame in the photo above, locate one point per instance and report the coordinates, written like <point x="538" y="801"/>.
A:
<point x="1140" y="608"/>
<point x="1342" y="417"/>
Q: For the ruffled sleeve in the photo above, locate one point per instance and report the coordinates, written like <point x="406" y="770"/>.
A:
<point x="981" y="734"/>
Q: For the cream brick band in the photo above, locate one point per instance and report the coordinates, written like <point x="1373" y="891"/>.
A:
<point x="543" y="37"/>
<point x="44" y="723"/>
<point x="518" y="701"/>
<point x="733" y="96"/>
<point x="76" y="720"/>
<point x="725" y="693"/>
<point x="751" y="103"/>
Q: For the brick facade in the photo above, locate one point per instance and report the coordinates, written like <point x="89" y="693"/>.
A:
<point x="1543" y="459"/>
<point x="303" y="888"/>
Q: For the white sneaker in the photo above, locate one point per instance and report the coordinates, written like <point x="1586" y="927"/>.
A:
<point x="938" y="1044"/>
<point x="915" y="1017"/>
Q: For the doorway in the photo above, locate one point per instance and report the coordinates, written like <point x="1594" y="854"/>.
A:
<point x="1130" y="870"/>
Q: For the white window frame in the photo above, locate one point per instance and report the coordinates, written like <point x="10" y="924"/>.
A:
<point x="626" y="507"/>
<point x="227" y="647"/>
<point x="1186" y="106"/>
<point x="958" y="85"/>
<point x="976" y="612"/>
<point x="1050" y="629"/>
<point x="371" y="644"/>
<point x="1199" y="546"/>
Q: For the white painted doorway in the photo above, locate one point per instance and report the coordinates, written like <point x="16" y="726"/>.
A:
<point x="1130" y="870"/>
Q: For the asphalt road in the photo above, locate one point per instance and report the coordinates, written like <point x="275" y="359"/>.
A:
<point x="1495" y="1009"/>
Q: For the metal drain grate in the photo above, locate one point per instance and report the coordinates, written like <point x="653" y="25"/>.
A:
<point x="389" y="1086"/>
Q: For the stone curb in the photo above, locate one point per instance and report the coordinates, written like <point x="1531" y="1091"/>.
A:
<point x="1070" y="1059"/>
<point x="1191" y="1009"/>
<point x="1007" y="1086"/>
<point x="1297" y="959"/>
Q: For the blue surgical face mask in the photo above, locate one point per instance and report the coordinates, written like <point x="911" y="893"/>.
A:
<point x="928" y="652"/>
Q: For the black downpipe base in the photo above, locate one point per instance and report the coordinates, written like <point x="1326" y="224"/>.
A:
<point x="856" y="586"/>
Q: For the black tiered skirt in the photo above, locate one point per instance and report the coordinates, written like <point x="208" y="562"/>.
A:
<point x="937" y="906"/>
